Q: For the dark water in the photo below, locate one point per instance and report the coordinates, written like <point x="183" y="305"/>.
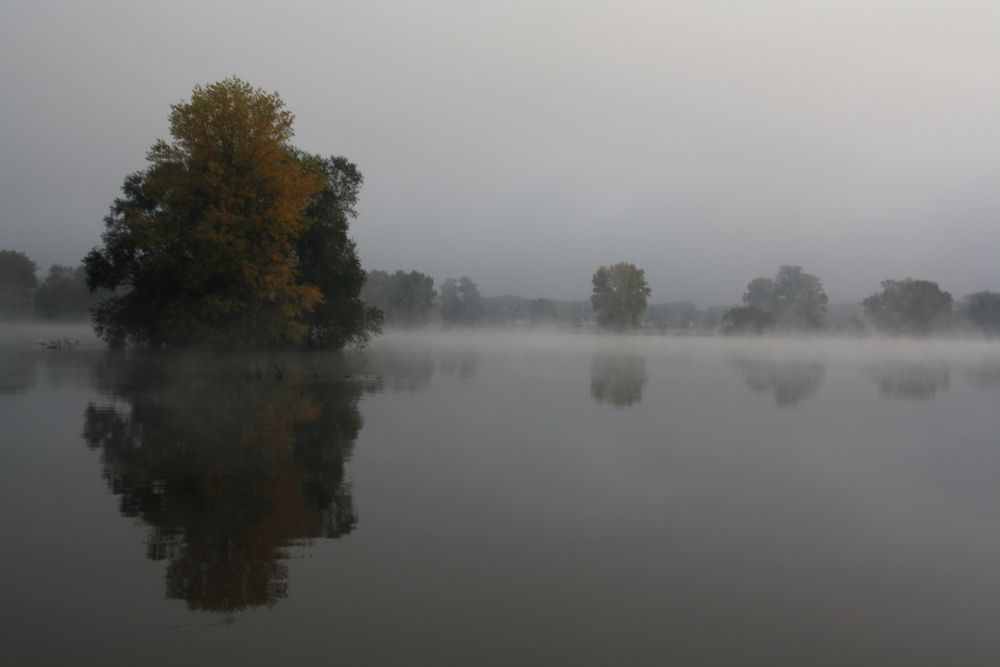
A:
<point x="503" y="500"/>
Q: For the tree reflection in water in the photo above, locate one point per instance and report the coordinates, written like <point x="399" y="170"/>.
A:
<point x="912" y="380"/>
<point x="617" y="379"/>
<point x="790" y="381"/>
<point x="227" y="470"/>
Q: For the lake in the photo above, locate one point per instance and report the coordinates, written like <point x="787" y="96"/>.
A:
<point x="503" y="499"/>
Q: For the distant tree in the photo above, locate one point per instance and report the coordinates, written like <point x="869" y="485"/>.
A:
<point x="406" y="299"/>
<point x="460" y="301"/>
<point x="542" y="311"/>
<point x="909" y="307"/>
<point x="982" y="310"/>
<point x="760" y="294"/>
<point x="18" y="281"/>
<point x="746" y="320"/>
<point x="619" y="296"/>
<point x="231" y="236"/>
<point x="64" y="294"/>
<point x="794" y="299"/>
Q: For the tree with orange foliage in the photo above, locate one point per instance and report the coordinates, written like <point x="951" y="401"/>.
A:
<point x="203" y="247"/>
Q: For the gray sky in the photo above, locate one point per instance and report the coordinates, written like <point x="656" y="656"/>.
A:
<point x="524" y="143"/>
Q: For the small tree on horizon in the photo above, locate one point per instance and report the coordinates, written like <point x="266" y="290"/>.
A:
<point x="619" y="296"/>
<point x="909" y="306"/>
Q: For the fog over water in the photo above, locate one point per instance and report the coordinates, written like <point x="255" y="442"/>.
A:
<point x="271" y="457"/>
<point x="525" y="143"/>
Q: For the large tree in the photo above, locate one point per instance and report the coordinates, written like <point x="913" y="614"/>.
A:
<point x="328" y="259"/>
<point x="909" y="307"/>
<point x="619" y="296"/>
<point x="230" y="236"/>
<point x="794" y="299"/>
<point x="460" y="301"/>
<point x="18" y="281"/>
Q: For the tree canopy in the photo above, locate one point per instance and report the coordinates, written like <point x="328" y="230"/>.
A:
<point x="18" y="281"/>
<point x="231" y="236"/>
<point x="794" y="299"/>
<point x="909" y="307"/>
<point x="619" y="296"/>
<point x="460" y="301"/>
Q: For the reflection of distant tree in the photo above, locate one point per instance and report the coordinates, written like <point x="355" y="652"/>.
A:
<point x="915" y="380"/>
<point x="459" y="364"/>
<point x="789" y="381"/>
<point x="986" y="376"/>
<point x="617" y="379"/>
<point x="227" y="472"/>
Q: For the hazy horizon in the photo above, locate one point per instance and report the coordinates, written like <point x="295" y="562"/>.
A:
<point x="524" y="144"/>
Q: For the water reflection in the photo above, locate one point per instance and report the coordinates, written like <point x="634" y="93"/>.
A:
<point x="912" y="380"/>
<point x="986" y="377"/>
<point x="790" y="381"/>
<point x="459" y="364"/>
<point x="617" y="378"/>
<point x="17" y="371"/>
<point x="227" y="471"/>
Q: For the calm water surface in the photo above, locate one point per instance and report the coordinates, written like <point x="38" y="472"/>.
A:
<point x="503" y="500"/>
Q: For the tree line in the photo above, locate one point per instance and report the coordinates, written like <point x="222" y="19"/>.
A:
<point x="62" y="295"/>
<point x="233" y="237"/>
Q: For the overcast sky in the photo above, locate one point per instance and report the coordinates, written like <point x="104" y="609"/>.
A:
<point x="525" y="143"/>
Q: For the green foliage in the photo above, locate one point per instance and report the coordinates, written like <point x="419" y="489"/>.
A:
<point x="982" y="311"/>
<point x="619" y="296"/>
<point x="406" y="299"/>
<point x="747" y="320"/>
<point x="64" y="294"/>
<point x="18" y="281"/>
<point x="794" y="299"/>
<point x="328" y="259"/>
<point x="460" y="301"/>
<point x="909" y="307"/>
<point x="231" y="237"/>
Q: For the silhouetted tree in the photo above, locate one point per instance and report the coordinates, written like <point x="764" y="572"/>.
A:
<point x="328" y="259"/>
<point x="619" y="296"/>
<point x="909" y="307"/>
<point x="460" y="301"/>
<point x="231" y="236"/>
<point x="18" y="281"/>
